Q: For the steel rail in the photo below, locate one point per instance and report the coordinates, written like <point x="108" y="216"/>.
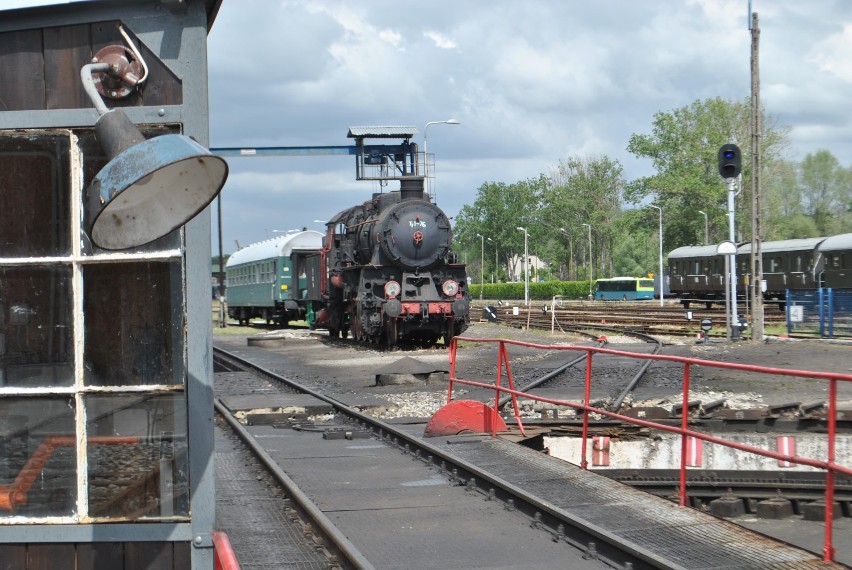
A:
<point x="335" y="540"/>
<point x="558" y="523"/>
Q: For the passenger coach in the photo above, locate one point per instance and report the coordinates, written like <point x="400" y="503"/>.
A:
<point x="698" y="273"/>
<point x="276" y="280"/>
<point x="834" y="264"/>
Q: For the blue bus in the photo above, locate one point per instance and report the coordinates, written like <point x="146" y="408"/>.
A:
<point x="624" y="289"/>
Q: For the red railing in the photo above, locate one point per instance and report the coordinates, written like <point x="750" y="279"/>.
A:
<point x="829" y="465"/>
<point x="225" y="559"/>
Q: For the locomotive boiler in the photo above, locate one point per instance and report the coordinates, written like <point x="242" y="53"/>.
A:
<point x="391" y="274"/>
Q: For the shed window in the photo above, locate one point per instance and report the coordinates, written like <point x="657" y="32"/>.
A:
<point x="92" y="350"/>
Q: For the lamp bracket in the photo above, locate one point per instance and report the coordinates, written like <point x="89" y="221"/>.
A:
<point x="124" y="74"/>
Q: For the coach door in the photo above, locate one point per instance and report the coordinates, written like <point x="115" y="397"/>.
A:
<point x="301" y="278"/>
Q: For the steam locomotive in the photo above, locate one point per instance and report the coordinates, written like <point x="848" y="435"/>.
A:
<point x="698" y="274"/>
<point x="389" y="273"/>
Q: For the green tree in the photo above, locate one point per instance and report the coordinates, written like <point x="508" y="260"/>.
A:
<point x="496" y="213"/>
<point x="782" y="213"/>
<point x="584" y="191"/>
<point x="826" y="192"/>
<point x="636" y="250"/>
<point x="683" y="147"/>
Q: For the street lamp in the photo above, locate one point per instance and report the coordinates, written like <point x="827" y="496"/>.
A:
<point x="526" y="266"/>
<point x="589" y="266"/>
<point x="496" y="268"/>
<point x="569" y="253"/>
<point x="481" y="265"/>
<point x="426" y="153"/>
<point x="706" y="228"/>
<point x="661" y="251"/>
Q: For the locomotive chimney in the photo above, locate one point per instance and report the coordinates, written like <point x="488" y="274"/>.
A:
<point x="411" y="188"/>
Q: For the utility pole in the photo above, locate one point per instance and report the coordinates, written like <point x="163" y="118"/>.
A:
<point x="756" y="127"/>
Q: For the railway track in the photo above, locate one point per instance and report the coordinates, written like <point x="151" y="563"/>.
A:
<point x="459" y="481"/>
<point x="644" y="317"/>
<point x="579" y="361"/>
<point x="559" y="537"/>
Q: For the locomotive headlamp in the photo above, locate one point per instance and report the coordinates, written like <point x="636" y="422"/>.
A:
<point x="392" y="289"/>
<point x="450" y="288"/>
<point x="150" y="187"/>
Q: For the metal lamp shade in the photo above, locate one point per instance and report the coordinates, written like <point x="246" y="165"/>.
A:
<point x="151" y="188"/>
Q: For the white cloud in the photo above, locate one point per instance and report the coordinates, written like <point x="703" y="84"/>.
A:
<point x="440" y="40"/>
<point x="834" y="54"/>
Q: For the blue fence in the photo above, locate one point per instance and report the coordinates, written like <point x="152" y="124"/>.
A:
<point x="822" y="312"/>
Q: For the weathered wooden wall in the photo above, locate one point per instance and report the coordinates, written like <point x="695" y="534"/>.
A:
<point x="40" y="69"/>
<point x="97" y="556"/>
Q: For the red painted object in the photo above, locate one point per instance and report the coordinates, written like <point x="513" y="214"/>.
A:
<point x="464" y="415"/>
<point x="787" y="446"/>
<point x="225" y="559"/>
<point x="694" y="452"/>
<point x="600" y="451"/>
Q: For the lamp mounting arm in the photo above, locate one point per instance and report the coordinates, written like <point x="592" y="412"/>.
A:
<point x="115" y="72"/>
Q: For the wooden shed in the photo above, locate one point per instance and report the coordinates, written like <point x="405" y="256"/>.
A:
<point x="106" y="436"/>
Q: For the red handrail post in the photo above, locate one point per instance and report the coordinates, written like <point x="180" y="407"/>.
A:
<point x="828" y="546"/>
<point x="587" y="396"/>
<point x="684" y="427"/>
<point x="502" y="356"/>
<point x="511" y="381"/>
<point x="224" y="557"/>
<point x="453" y="356"/>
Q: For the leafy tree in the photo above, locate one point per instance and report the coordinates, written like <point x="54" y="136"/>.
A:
<point x="826" y="192"/>
<point x="782" y="213"/>
<point x="585" y="191"/>
<point x="496" y="213"/>
<point x="636" y="251"/>
<point x="683" y="147"/>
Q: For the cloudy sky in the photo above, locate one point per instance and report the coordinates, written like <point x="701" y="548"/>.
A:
<point x="531" y="82"/>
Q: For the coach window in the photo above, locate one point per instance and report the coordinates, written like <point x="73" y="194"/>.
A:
<point x="92" y="350"/>
<point x="772" y="264"/>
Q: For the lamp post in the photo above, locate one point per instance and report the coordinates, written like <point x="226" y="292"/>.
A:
<point x="589" y="266"/>
<point x="526" y="266"/>
<point x="481" y="265"/>
<point x="426" y="153"/>
<point x="569" y="253"/>
<point x="661" y="251"/>
<point x="496" y="267"/>
<point x="706" y="228"/>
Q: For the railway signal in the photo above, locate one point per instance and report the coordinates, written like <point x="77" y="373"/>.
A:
<point x="730" y="161"/>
